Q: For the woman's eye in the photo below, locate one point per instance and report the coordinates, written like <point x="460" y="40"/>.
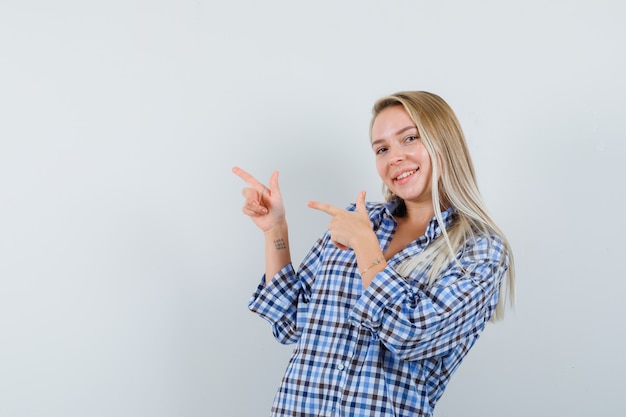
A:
<point x="380" y="151"/>
<point x="411" y="138"/>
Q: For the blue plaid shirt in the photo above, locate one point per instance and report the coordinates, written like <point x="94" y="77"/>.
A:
<point x="388" y="350"/>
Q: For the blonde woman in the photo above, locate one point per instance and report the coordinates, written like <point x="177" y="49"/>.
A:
<point x="391" y="298"/>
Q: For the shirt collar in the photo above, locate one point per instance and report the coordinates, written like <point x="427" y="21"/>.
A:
<point x="433" y="230"/>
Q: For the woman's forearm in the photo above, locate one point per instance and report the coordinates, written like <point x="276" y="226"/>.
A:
<point x="369" y="257"/>
<point x="277" y="254"/>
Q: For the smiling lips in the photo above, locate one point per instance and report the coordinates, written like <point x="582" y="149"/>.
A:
<point x="404" y="175"/>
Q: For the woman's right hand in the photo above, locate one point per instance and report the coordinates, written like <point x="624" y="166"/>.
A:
<point x="263" y="205"/>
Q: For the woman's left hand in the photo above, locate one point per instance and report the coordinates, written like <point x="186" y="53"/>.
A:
<point x="346" y="227"/>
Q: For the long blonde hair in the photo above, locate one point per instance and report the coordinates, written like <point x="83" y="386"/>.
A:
<point x="453" y="184"/>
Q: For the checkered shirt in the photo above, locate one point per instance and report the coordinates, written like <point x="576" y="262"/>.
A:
<point x="388" y="350"/>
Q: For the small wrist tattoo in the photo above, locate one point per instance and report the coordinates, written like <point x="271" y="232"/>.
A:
<point x="280" y="244"/>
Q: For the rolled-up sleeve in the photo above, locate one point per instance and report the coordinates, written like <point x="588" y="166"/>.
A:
<point x="421" y="321"/>
<point x="276" y="302"/>
<point x="283" y="300"/>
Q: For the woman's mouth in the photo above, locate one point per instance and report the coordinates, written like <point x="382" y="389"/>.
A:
<point x="404" y="175"/>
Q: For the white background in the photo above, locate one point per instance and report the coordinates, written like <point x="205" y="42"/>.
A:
<point x="125" y="261"/>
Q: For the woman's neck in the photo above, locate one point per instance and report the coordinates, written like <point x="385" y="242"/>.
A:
<point x="418" y="213"/>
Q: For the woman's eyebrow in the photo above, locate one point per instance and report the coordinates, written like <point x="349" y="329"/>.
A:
<point x="399" y="132"/>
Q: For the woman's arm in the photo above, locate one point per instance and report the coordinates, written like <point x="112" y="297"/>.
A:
<point x="266" y="209"/>
<point x="417" y="321"/>
<point x="282" y="301"/>
<point x="283" y="292"/>
<point x="277" y="253"/>
<point x="353" y="230"/>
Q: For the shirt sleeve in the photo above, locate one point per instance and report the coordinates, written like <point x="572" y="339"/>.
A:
<point x="417" y="322"/>
<point x="288" y="293"/>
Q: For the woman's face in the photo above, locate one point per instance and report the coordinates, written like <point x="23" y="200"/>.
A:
<point x="401" y="158"/>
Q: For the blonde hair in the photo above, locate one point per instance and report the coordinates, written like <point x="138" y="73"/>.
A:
<point x="453" y="184"/>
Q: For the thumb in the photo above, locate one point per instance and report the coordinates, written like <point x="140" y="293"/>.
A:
<point x="360" y="202"/>
<point x="274" y="188"/>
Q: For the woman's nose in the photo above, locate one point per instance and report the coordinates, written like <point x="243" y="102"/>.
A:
<point x="396" y="156"/>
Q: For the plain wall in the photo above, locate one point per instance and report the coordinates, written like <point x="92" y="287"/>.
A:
<point x="126" y="264"/>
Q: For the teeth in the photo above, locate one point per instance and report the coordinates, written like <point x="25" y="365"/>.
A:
<point x="404" y="175"/>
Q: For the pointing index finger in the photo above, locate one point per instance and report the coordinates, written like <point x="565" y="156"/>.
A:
<point x="326" y="208"/>
<point x="249" y="179"/>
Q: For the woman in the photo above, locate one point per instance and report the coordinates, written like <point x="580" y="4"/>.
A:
<point x="391" y="298"/>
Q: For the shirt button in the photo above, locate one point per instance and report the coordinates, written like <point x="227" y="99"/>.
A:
<point x="340" y="367"/>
